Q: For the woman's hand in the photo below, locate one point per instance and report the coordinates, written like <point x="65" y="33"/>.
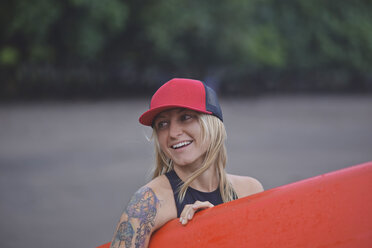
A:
<point x="190" y="209"/>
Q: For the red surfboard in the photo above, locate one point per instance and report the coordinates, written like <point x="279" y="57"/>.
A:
<point x="331" y="210"/>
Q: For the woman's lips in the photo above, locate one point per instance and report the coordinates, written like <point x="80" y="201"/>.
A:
<point x="181" y="144"/>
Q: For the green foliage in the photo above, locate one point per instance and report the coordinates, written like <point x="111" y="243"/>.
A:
<point x="76" y="27"/>
<point x="261" y="44"/>
<point x="9" y="56"/>
<point x="96" y="22"/>
<point x="328" y="33"/>
<point x="34" y="19"/>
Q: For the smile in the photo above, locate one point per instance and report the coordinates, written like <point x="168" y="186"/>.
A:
<point x="181" y="144"/>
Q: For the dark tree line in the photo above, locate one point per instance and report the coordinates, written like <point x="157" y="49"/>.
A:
<point x="95" y="48"/>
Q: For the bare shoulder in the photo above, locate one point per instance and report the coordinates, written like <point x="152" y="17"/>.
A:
<point x="245" y="186"/>
<point x="160" y="186"/>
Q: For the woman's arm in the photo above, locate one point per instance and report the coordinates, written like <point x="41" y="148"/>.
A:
<point x="138" y="220"/>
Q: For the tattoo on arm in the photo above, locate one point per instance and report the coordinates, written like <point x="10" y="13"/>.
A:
<point x="125" y="233"/>
<point x="143" y="208"/>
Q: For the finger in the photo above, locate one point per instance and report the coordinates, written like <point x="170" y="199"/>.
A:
<point x="191" y="214"/>
<point x="188" y="215"/>
<point x="202" y="205"/>
<point x="185" y="210"/>
<point x="185" y="214"/>
<point x="194" y="208"/>
<point x="189" y="210"/>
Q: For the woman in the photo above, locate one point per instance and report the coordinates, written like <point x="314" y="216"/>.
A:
<point x="190" y="175"/>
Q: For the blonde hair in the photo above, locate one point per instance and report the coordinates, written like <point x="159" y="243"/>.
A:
<point x="212" y="131"/>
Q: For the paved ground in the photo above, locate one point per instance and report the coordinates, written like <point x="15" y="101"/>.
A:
<point x="68" y="169"/>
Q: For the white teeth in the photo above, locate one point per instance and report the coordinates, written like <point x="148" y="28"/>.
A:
<point x="185" y="143"/>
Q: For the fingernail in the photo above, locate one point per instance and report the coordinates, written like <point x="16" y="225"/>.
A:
<point x="189" y="216"/>
<point x="181" y="219"/>
<point x="183" y="222"/>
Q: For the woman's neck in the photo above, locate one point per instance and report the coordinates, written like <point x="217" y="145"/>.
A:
<point x="206" y="182"/>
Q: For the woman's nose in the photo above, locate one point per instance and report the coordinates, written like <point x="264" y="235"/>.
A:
<point x="175" y="130"/>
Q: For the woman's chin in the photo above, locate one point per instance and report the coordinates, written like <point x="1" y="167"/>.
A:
<point x="181" y="163"/>
<point x="187" y="164"/>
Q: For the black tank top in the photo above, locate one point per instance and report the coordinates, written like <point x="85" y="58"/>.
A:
<point x="191" y="195"/>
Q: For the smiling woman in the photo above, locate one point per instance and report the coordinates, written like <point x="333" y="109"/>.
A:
<point x="179" y="135"/>
<point x="189" y="175"/>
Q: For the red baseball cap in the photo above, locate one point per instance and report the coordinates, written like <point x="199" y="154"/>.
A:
<point x="182" y="93"/>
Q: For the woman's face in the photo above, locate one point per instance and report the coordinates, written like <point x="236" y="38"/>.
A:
<point x="179" y="136"/>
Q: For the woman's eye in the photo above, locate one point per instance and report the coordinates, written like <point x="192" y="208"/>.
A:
<point x="161" y="124"/>
<point x="185" y="117"/>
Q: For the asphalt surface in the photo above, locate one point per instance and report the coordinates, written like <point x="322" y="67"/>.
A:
<point x="67" y="170"/>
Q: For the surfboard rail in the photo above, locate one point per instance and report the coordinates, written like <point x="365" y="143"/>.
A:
<point x="330" y="210"/>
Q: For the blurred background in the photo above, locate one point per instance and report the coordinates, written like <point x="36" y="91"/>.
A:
<point x="294" y="78"/>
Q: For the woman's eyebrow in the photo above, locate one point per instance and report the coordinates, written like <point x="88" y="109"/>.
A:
<point x="165" y="116"/>
<point x="181" y="110"/>
<point x="160" y="116"/>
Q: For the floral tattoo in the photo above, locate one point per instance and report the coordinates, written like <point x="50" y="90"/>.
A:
<point x="143" y="207"/>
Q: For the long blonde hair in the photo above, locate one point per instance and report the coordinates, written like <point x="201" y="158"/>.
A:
<point x="212" y="131"/>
